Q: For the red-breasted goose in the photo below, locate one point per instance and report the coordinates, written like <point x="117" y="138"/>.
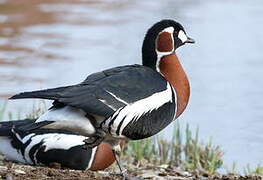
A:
<point x="126" y="102"/>
<point x="49" y="146"/>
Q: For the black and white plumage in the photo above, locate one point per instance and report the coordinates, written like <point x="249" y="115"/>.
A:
<point x="127" y="106"/>
<point x="44" y="147"/>
<point x="126" y="102"/>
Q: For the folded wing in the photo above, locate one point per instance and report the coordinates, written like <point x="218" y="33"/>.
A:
<point x="104" y="92"/>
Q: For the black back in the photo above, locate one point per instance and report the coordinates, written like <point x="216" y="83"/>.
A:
<point x="129" y="83"/>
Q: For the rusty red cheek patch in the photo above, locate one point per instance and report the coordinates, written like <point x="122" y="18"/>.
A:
<point x="164" y="42"/>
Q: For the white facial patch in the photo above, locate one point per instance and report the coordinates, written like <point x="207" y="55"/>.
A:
<point x="182" y="36"/>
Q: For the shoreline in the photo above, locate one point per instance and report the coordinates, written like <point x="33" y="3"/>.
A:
<point x="14" y="171"/>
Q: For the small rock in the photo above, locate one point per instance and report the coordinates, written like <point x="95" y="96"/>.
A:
<point x="151" y="175"/>
<point x="185" y="173"/>
<point x="9" y="177"/>
<point x="103" y="172"/>
<point x="203" y="178"/>
<point x="55" y="165"/>
<point x="181" y="172"/>
<point x="3" y="168"/>
<point x="165" y="166"/>
<point x="162" y="174"/>
<point x="17" y="171"/>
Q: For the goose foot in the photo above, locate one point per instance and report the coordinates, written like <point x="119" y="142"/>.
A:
<point x="116" y="151"/>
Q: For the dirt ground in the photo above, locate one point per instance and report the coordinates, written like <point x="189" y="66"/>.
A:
<point x="13" y="171"/>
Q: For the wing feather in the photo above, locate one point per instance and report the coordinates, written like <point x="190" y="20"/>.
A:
<point x="103" y="92"/>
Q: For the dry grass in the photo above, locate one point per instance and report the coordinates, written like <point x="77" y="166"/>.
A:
<point x="185" y="150"/>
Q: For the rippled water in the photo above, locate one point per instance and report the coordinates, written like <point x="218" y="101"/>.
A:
<point x="52" y="43"/>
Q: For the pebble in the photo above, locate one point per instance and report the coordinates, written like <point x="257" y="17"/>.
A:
<point x="150" y="175"/>
<point x="185" y="173"/>
<point x="165" y="166"/>
<point x="19" y="171"/>
<point x="9" y="177"/>
<point x="3" y="168"/>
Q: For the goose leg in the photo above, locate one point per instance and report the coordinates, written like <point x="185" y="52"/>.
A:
<point x="123" y="171"/>
<point x="116" y="151"/>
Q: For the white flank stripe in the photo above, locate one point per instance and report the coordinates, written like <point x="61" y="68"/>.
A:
<point x="94" y="150"/>
<point x="35" y="158"/>
<point x="27" y="137"/>
<point x="50" y="141"/>
<point x="66" y="113"/>
<point x="9" y="151"/>
<point x="140" y="107"/>
<point x="117" y="98"/>
<point x="53" y="141"/>
<point x="107" y="122"/>
<point x="68" y="118"/>
<point x="17" y="135"/>
<point x="59" y="141"/>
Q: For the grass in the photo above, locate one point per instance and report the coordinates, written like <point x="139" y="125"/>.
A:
<point x="201" y="156"/>
<point x="232" y="169"/>
<point x="39" y="107"/>
<point x="184" y="150"/>
<point x="257" y="171"/>
<point x="2" y="110"/>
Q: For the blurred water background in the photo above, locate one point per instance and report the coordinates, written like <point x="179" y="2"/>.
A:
<point x="50" y="43"/>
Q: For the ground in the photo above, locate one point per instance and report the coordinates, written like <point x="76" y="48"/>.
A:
<point x="14" y="171"/>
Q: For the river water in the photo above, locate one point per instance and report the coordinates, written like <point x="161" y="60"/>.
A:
<point x="50" y="43"/>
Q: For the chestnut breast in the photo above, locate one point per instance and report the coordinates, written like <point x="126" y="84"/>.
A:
<point x="104" y="157"/>
<point x="173" y="72"/>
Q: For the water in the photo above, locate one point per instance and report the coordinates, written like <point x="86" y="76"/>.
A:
<point x="54" y="43"/>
